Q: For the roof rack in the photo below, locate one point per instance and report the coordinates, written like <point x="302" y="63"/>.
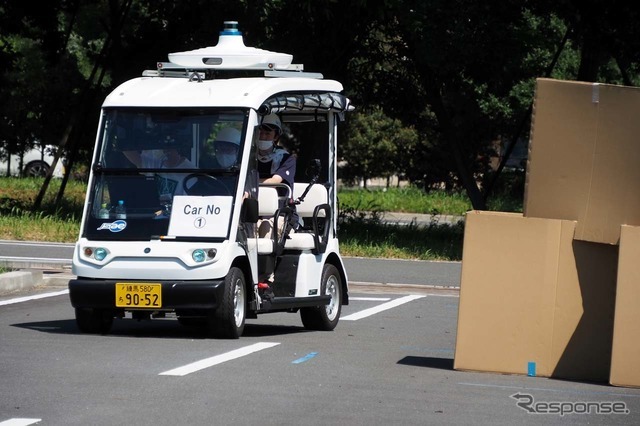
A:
<point x="169" y="69"/>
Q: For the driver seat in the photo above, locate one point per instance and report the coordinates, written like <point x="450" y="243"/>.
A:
<point x="268" y="206"/>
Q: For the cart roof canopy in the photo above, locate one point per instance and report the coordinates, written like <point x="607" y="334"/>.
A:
<point x="276" y="92"/>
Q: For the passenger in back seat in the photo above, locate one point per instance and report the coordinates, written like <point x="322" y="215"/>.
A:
<point x="275" y="165"/>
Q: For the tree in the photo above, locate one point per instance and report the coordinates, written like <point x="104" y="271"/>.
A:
<point x="375" y="146"/>
<point x="460" y="73"/>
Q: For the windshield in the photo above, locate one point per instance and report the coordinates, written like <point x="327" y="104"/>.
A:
<point x="174" y="172"/>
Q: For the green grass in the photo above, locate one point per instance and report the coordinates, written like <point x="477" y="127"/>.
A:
<point x="363" y="233"/>
<point x="408" y="200"/>
<point x="18" y="220"/>
<point x="430" y="242"/>
<point x="361" y="230"/>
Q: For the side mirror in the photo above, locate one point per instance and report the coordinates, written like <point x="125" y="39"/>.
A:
<point x="249" y="210"/>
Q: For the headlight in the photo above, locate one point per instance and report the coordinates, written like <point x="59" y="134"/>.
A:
<point x="201" y="255"/>
<point x="100" y="253"/>
<point x="198" y="255"/>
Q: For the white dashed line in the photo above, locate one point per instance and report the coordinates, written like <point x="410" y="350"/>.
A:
<point x="370" y="299"/>
<point x="218" y="359"/>
<point x="389" y="305"/>
<point x="19" y="422"/>
<point x="28" y="298"/>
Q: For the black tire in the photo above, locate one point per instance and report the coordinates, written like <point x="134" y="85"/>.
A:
<point x="95" y="321"/>
<point x="325" y="318"/>
<point x="36" y="169"/>
<point x="228" y="319"/>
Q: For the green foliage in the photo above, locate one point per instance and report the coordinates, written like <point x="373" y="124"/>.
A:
<point x="435" y="242"/>
<point x="508" y="195"/>
<point x="408" y="200"/>
<point x="363" y="233"/>
<point x="18" y="194"/>
<point x="375" y="146"/>
<point x="436" y="83"/>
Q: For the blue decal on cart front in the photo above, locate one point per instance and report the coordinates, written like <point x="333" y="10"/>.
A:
<point x="116" y="226"/>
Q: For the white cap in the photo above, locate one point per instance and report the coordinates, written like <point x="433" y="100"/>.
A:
<point x="229" y="134"/>
<point x="273" y="120"/>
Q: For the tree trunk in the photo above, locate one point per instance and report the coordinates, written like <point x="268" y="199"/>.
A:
<point x="451" y="137"/>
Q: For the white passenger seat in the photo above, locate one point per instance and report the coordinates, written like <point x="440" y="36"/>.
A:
<point x="315" y="213"/>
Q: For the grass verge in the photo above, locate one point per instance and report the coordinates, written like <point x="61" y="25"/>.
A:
<point x="362" y="231"/>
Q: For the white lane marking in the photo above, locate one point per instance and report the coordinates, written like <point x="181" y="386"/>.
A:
<point x="376" y="309"/>
<point x="34" y="297"/>
<point x="19" y="422"/>
<point x="218" y="359"/>
<point x="370" y="299"/>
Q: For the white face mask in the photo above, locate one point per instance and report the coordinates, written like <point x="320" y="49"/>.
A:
<point x="265" y="145"/>
<point x="226" y="160"/>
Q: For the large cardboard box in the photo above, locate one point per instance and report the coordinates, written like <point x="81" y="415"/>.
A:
<point x="530" y="293"/>
<point x="584" y="156"/>
<point x="625" y="356"/>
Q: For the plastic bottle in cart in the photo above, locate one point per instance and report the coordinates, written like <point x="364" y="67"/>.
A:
<point x="121" y="212"/>
<point x="104" y="212"/>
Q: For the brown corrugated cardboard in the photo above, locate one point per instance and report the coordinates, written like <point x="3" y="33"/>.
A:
<point x="583" y="157"/>
<point x="527" y="295"/>
<point x="625" y="356"/>
<point x="507" y="292"/>
<point x="584" y="311"/>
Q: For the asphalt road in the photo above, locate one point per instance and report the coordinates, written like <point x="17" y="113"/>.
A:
<point x="388" y="362"/>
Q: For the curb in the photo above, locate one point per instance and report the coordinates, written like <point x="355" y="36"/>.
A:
<point x="29" y="278"/>
<point x="19" y="280"/>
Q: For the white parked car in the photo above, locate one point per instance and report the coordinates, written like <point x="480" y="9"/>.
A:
<point x="36" y="163"/>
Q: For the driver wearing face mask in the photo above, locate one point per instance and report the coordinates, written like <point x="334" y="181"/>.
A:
<point x="226" y="146"/>
<point x="275" y="164"/>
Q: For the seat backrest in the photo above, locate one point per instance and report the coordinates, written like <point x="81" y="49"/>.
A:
<point x="267" y="201"/>
<point x="317" y="195"/>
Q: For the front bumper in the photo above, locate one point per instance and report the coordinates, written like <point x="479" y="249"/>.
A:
<point x="101" y="294"/>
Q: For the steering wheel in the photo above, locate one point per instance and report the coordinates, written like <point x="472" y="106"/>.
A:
<point x="204" y="184"/>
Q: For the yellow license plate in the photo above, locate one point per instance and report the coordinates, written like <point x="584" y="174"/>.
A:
<point x="138" y="295"/>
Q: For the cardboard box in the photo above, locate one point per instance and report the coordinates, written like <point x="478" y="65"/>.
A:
<point x="530" y="293"/>
<point x="583" y="157"/>
<point x="625" y="356"/>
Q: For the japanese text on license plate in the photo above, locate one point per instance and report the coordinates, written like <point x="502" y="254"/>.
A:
<point x="138" y="295"/>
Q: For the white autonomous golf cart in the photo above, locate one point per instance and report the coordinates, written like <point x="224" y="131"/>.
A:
<point x="178" y="238"/>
